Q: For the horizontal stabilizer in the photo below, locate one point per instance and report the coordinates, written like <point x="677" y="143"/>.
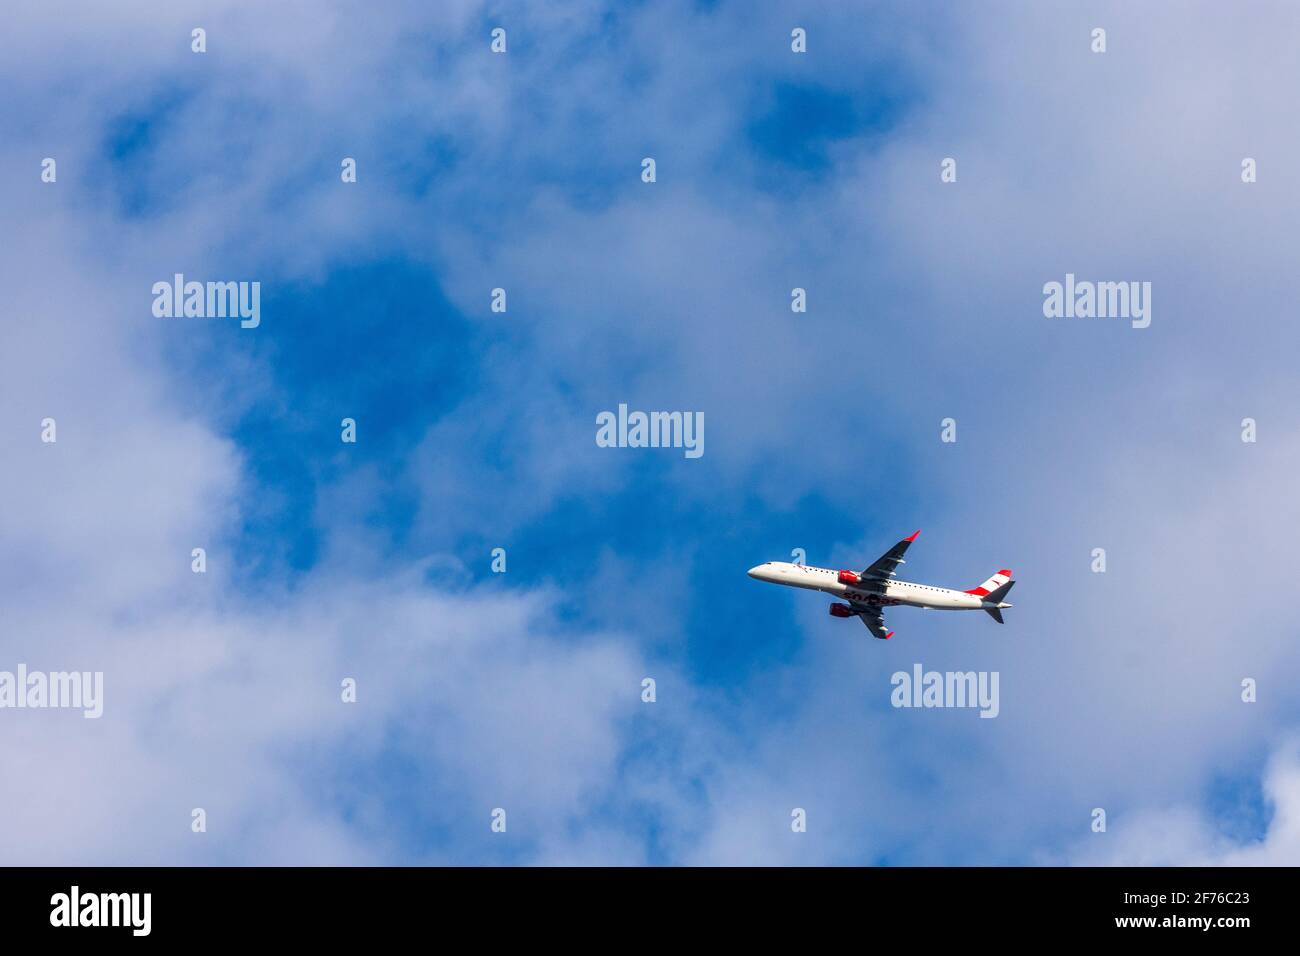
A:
<point x="995" y="614"/>
<point x="995" y="597"/>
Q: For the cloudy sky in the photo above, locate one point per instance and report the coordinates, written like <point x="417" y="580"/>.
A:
<point x="476" y="430"/>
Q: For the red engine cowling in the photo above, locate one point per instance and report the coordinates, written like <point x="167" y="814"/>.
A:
<point x="848" y="577"/>
<point x="841" y="610"/>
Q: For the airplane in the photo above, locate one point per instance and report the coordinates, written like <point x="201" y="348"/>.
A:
<point x="869" y="592"/>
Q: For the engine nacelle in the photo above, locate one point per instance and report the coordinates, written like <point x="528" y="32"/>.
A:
<point x="848" y="577"/>
<point x="841" y="610"/>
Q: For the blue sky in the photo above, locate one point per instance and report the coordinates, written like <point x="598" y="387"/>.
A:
<point x="476" y="430"/>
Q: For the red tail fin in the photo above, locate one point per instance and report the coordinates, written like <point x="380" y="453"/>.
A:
<point x="992" y="584"/>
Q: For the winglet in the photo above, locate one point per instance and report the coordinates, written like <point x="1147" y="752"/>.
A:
<point x="889" y="635"/>
<point x="914" y="534"/>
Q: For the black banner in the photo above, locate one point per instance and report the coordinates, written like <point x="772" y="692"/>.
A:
<point x="377" y="905"/>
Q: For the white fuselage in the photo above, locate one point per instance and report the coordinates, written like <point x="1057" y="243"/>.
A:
<point x="878" y="594"/>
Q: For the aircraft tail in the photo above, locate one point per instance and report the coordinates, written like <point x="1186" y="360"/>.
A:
<point x="986" y="589"/>
<point x="995" y="597"/>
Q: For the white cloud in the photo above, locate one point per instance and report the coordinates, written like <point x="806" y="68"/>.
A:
<point x="1181" y="835"/>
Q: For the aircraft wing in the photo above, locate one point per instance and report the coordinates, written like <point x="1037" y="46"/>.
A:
<point x="875" y="621"/>
<point x="883" y="567"/>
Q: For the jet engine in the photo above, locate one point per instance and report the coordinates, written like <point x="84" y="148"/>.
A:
<point x="848" y="577"/>
<point x="841" y="610"/>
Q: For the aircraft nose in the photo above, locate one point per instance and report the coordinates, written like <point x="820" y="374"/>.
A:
<point x="753" y="572"/>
